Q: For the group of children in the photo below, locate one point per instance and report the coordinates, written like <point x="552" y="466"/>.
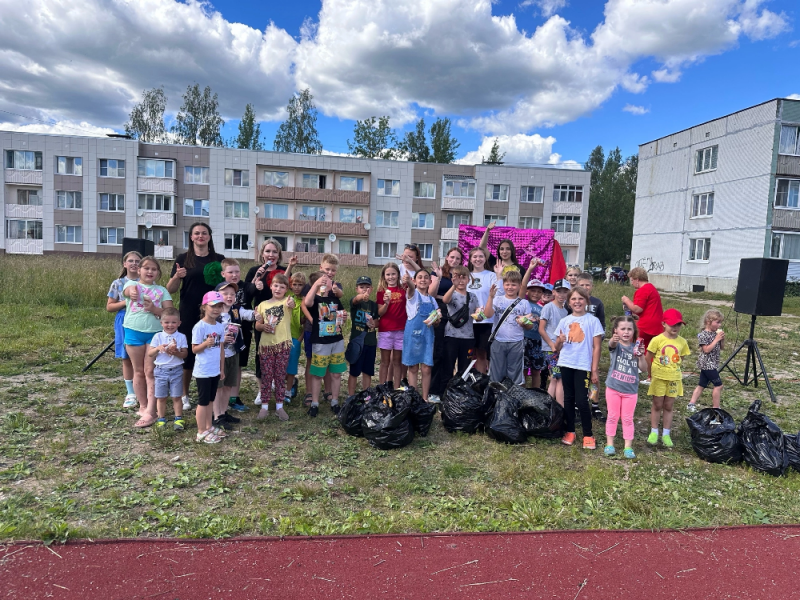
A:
<point x="528" y="331"/>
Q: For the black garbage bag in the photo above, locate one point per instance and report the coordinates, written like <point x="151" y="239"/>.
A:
<point x="502" y="421"/>
<point x="762" y="442"/>
<point x="421" y="414"/>
<point x="714" y="436"/>
<point x="353" y="410"/>
<point x="539" y="413"/>
<point x="463" y="403"/>
<point x="792" y="443"/>
<point x="385" y="422"/>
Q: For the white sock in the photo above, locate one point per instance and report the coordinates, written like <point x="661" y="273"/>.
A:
<point x="665" y="432"/>
<point x="278" y="405"/>
<point x="654" y="430"/>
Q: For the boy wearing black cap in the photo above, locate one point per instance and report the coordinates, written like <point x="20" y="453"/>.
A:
<point x="364" y="315"/>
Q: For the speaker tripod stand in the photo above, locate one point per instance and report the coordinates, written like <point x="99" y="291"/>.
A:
<point x="753" y="355"/>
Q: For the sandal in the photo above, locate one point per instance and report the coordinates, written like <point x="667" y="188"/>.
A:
<point x="145" y="422"/>
<point x="208" y="437"/>
<point x="219" y="432"/>
<point x="327" y="397"/>
<point x="307" y="400"/>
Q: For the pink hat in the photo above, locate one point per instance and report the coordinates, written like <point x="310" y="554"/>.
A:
<point x="213" y="298"/>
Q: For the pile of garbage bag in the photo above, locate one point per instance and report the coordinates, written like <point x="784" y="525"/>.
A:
<point x="763" y="445"/>
<point x="714" y="436"/>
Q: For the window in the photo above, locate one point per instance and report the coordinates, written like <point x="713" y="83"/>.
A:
<point x="29" y="197"/>
<point x="353" y="184"/>
<point x="567" y="193"/>
<point x="69" y="200"/>
<point x="237" y="210"/>
<point x="281" y="239"/>
<point x="785" y="245"/>
<point x="149" y="167"/>
<point x="237" y="178"/>
<point x="236" y="241"/>
<point x="349" y="247"/>
<point x="789" y="140"/>
<point x="530" y="222"/>
<point x="159" y="236"/>
<point x="421" y="220"/>
<point x="69" y="234"/>
<point x="787" y="193"/>
<point x="67" y="165"/>
<point x="703" y="205"/>
<point x="351" y="215"/>
<point x="312" y="213"/>
<point x="532" y="193"/>
<point x="706" y="159"/>
<point x="565" y="223"/>
<point x="498" y="219"/>
<point x="385" y="249"/>
<point x="185" y="239"/>
<point x="426" y="251"/>
<point x="112" y="167"/>
<point x="195" y="208"/>
<point x="276" y="211"/>
<point x="445" y="246"/>
<point x="387" y="218"/>
<point x="314" y="181"/>
<point x="388" y="187"/>
<point x="699" y="249"/>
<point x="498" y="193"/>
<point x="22" y="229"/>
<point x="112" y="235"/>
<point x="276" y="178"/>
<point x="195" y="174"/>
<point x="456" y="219"/>
<point x="158" y="202"/>
<point x="28" y="161"/>
<point x="310" y="245"/>
<point x="112" y="202"/>
<point x="459" y="189"/>
<point x="424" y="190"/>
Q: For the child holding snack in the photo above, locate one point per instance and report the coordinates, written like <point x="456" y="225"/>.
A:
<point x="508" y="347"/>
<point x="364" y="316"/>
<point x="664" y="359"/>
<point x="231" y="273"/>
<point x="422" y="313"/>
<point x="622" y="382"/>
<point x="300" y="316"/>
<point x="116" y="302"/>
<point x="458" y="332"/>
<point x="169" y="347"/>
<point x="482" y="281"/>
<point x="392" y="314"/>
<point x="534" y="355"/>
<point x="551" y="316"/>
<point x="710" y="341"/>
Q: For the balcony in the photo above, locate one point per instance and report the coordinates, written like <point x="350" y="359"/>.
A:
<point x="310" y="226"/>
<point x="568" y="238"/>
<point x="312" y="194"/>
<point x="164" y="252"/>
<point x="24" y="211"/>
<point x="449" y="233"/>
<point x="159" y="185"/>
<point x="155" y="218"/>
<point x="286" y="225"/>
<point x="24" y="176"/>
<point x="315" y="258"/>
<point x="14" y="246"/>
<point x="567" y="208"/>
<point x="356" y="229"/>
<point x="274" y="191"/>
<point x="451" y="203"/>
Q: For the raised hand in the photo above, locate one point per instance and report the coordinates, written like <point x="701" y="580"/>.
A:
<point x="407" y="281"/>
<point x="493" y="290"/>
<point x="180" y="272"/>
<point x="293" y="261"/>
<point x="498" y="269"/>
<point x="491" y="225"/>
<point x="290" y="304"/>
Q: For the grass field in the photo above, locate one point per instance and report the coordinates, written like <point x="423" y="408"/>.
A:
<point x="72" y="465"/>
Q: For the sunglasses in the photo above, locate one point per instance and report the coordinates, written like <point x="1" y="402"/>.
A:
<point x="410" y="247"/>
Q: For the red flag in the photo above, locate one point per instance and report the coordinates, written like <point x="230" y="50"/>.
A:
<point x="558" y="266"/>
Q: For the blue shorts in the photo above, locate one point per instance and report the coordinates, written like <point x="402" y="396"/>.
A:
<point x="119" y="336"/>
<point x="138" y="338"/>
<point x="308" y="344"/>
<point x="709" y="376"/>
<point x="365" y="365"/>
<point x="169" y="381"/>
<point x="294" y="358"/>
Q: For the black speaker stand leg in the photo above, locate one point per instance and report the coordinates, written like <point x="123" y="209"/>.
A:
<point x="753" y="355"/>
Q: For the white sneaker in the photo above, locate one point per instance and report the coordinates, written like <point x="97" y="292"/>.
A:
<point x="130" y="401"/>
<point x="257" y="401"/>
<point x="186" y="404"/>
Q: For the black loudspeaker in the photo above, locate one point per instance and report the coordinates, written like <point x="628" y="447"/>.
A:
<point x="143" y="247"/>
<point x="762" y="283"/>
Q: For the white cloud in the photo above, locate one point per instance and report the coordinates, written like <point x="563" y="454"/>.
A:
<point x="793" y="97"/>
<point x="666" y="75"/>
<point x="59" y="128"/>
<point x="761" y="25"/>
<point x="519" y="148"/>
<point x="546" y="7"/>
<point x="636" y="110"/>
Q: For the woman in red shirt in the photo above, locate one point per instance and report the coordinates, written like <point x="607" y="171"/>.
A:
<point x="645" y="306"/>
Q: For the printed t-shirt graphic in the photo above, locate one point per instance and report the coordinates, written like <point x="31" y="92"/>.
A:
<point x="668" y="356"/>
<point x="154" y="293"/>
<point x="329" y="325"/>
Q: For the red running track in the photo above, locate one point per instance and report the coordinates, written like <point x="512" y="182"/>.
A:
<point x="738" y="562"/>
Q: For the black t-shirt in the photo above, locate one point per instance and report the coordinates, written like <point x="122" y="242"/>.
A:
<point x="324" y="329"/>
<point x="193" y="287"/>
<point x="259" y="296"/>
<point x="358" y="315"/>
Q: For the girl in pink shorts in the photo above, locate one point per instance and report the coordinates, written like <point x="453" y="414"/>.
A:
<point x="392" y="313"/>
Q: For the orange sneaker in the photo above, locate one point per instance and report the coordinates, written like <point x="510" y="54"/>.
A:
<point x="568" y="439"/>
<point x="589" y="443"/>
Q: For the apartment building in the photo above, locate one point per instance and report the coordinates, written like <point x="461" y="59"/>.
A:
<point x="718" y="192"/>
<point x="84" y="194"/>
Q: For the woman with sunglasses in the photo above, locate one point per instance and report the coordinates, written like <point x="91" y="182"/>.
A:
<point x="410" y="261"/>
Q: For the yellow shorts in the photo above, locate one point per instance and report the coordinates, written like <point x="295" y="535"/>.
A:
<point x="664" y="387"/>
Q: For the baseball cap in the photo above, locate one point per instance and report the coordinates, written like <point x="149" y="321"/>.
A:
<point x="548" y="287"/>
<point x="536" y="283"/>
<point x="213" y="298"/>
<point x="562" y="283"/>
<point x="672" y="316"/>
<point x="364" y="280"/>
<point x="224" y="284"/>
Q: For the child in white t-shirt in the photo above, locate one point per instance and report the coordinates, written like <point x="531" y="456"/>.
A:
<point x="169" y="347"/>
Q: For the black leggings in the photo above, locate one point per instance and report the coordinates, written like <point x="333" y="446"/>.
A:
<point x="456" y="349"/>
<point x="576" y="391"/>
<point x="206" y="389"/>
<point x="439" y="377"/>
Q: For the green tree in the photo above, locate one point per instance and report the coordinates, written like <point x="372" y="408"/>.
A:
<point x="298" y="133"/>
<point x="414" y="145"/>
<point x="249" y="137"/>
<point x="495" y="157"/>
<point x="611" y="203"/>
<point x="198" y="122"/>
<point x="373" y="138"/>
<point x="443" y="145"/>
<point x="146" y="121"/>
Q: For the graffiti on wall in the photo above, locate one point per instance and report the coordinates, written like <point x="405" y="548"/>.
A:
<point x="650" y="265"/>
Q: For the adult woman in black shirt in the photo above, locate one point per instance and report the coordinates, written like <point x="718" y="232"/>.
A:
<point x="187" y="274"/>
<point x="439" y="378"/>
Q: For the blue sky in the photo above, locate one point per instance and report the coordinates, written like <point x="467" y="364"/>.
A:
<point x="553" y="82"/>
